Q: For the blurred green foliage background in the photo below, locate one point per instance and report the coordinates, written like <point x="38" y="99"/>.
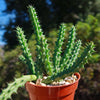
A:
<point x="84" y="14"/>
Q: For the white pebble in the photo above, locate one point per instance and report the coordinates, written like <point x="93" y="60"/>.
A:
<point x="66" y="83"/>
<point x="42" y="84"/>
<point x="62" y="82"/>
<point x="45" y="77"/>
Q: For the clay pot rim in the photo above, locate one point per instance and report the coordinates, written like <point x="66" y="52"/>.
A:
<point x="77" y="74"/>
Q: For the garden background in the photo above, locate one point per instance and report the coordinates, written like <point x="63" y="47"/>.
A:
<point x="84" y="14"/>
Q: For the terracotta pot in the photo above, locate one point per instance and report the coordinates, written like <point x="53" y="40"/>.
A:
<point x="64" y="92"/>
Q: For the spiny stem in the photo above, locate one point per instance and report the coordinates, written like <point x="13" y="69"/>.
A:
<point x="85" y="55"/>
<point x="22" y="58"/>
<point x="39" y="33"/>
<point x="26" y="51"/>
<point x="46" y="56"/>
<point x="73" y="56"/>
<point x="43" y="55"/>
<point x="13" y="87"/>
<point x="69" y="48"/>
<point x="57" y="51"/>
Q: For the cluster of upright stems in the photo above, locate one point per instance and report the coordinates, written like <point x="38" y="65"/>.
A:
<point x="57" y="67"/>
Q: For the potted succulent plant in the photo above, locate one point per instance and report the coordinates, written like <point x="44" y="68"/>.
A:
<point x="49" y="73"/>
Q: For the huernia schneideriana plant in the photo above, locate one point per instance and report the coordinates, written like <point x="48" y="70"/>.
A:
<point x="56" y="67"/>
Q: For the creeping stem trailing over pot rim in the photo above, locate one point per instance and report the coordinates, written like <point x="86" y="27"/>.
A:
<point x="57" y="67"/>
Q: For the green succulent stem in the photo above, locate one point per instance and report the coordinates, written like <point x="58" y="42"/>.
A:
<point x="68" y="51"/>
<point x="22" y="58"/>
<point x="73" y="56"/>
<point x="39" y="33"/>
<point x="46" y="56"/>
<point x="85" y="55"/>
<point x="13" y="87"/>
<point x="26" y="52"/>
<point x="57" y="51"/>
<point x="43" y="55"/>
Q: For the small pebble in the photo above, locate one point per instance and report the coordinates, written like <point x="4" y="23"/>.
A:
<point x="42" y="84"/>
<point x="74" y="76"/>
<point x="66" y="83"/>
<point x="45" y="77"/>
<point x="62" y="82"/>
<point x="38" y="81"/>
<point x="68" y="78"/>
<point x="54" y="83"/>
